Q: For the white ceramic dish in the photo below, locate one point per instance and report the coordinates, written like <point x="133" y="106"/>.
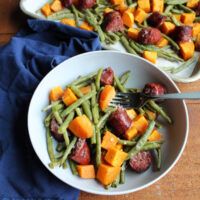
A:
<point x="30" y="7"/>
<point x="141" y="72"/>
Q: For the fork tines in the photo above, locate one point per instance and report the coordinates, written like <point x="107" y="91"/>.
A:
<point x="121" y="99"/>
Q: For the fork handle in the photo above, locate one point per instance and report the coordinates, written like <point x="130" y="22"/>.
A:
<point x="188" y="95"/>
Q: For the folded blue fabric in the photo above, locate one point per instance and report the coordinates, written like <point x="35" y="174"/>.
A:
<point x="30" y="55"/>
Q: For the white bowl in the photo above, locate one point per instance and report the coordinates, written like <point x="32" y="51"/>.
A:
<point x="142" y="72"/>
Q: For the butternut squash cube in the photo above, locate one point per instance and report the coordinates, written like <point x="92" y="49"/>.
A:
<point x="140" y="123"/>
<point x="133" y="33"/>
<point x="46" y="10"/>
<point x="186" y="50"/>
<point x="86" y="26"/>
<point x="131" y="113"/>
<point x="157" y="5"/>
<point x="86" y="171"/>
<point x="131" y="133"/>
<point x="117" y="2"/>
<point x="55" y="93"/>
<point x="177" y="16"/>
<point x="107" y="10"/>
<point x="115" y="157"/>
<point x="106" y="174"/>
<point x="155" y="136"/>
<point x="128" y="18"/>
<point x="86" y="89"/>
<point x="56" y="6"/>
<point x="144" y="5"/>
<point x="69" y="97"/>
<point x="119" y="146"/>
<point x="121" y="8"/>
<point x="140" y="15"/>
<point x="151" y="115"/>
<point x="150" y="56"/>
<point x="69" y="22"/>
<point x="168" y="27"/>
<point x="187" y="18"/>
<point x="109" y="140"/>
<point x="81" y="127"/>
<point x="163" y="42"/>
<point x="192" y="3"/>
<point x="195" y="29"/>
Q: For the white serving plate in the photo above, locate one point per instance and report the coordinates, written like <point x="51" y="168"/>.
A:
<point x="142" y="71"/>
<point x="31" y="8"/>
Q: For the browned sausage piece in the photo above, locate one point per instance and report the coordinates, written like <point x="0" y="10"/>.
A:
<point x="197" y="9"/>
<point x="154" y="89"/>
<point x="149" y="36"/>
<point x="67" y="3"/>
<point x="81" y="152"/>
<point x="107" y="76"/>
<point x="113" y="22"/>
<point x="120" y="121"/>
<point x="54" y="131"/>
<point x="85" y="4"/>
<point x="156" y="19"/>
<point x="183" y="33"/>
<point x="141" y="161"/>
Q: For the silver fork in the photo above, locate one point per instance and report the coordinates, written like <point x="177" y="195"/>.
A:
<point x="137" y="100"/>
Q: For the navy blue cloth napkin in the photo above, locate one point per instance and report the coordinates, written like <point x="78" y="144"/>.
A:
<point x="30" y="55"/>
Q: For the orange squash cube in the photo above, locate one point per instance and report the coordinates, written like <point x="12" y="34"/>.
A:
<point x="187" y="18"/>
<point x="192" y="3"/>
<point x="86" y="89"/>
<point x="131" y="133"/>
<point x="117" y="2"/>
<point x="69" y="97"/>
<point x="157" y="5"/>
<point x="56" y="6"/>
<point x="118" y="146"/>
<point x="46" y="10"/>
<point x="86" y="171"/>
<point x="155" y="136"/>
<point x="195" y="29"/>
<point x="131" y="113"/>
<point x="133" y="33"/>
<point x="150" y="55"/>
<point x="140" y="15"/>
<point x="86" y="26"/>
<point x="140" y="123"/>
<point x="81" y="127"/>
<point x="106" y="174"/>
<point x="187" y="49"/>
<point x="163" y="42"/>
<point x="144" y="5"/>
<point x="168" y="27"/>
<point x="69" y="22"/>
<point x="56" y="93"/>
<point x="128" y="18"/>
<point x="177" y="16"/>
<point x="107" y="10"/>
<point x="109" y="140"/>
<point x="115" y="157"/>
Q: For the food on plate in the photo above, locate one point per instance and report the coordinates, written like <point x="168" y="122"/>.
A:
<point x="100" y="140"/>
<point x="152" y="29"/>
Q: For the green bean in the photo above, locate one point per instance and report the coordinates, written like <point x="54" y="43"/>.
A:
<point x="119" y="85"/>
<point x="75" y="14"/>
<point x="77" y="103"/>
<point x="82" y="79"/>
<point x="95" y="106"/>
<point x="150" y="145"/>
<point x="59" y="155"/>
<point x="125" y="43"/>
<point x="157" y="156"/>
<point x="175" y="21"/>
<point x="122" y="173"/>
<point x="158" y="109"/>
<point x="168" y="9"/>
<point x="104" y="118"/>
<point x="68" y="150"/>
<point x="86" y="83"/>
<point x="78" y="111"/>
<point x="51" y="105"/>
<point x="127" y="142"/>
<point x="129" y="2"/>
<point x="60" y="147"/>
<point x="116" y="182"/>
<point x="72" y="165"/>
<point x="65" y="124"/>
<point x="145" y="23"/>
<point x="47" y="120"/>
<point x="175" y="2"/>
<point x="169" y="56"/>
<point x="57" y="115"/>
<point x="135" y="47"/>
<point x="85" y="104"/>
<point x="98" y="146"/>
<point x="66" y="137"/>
<point x="177" y="11"/>
<point x="108" y="39"/>
<point x="80" y="14"/>
<point x="60" y="15"/>
<point x="107" y="186"/>
<point x="147" y="47"/>
<point x="64" y="165"/>
<point x="99" y="92"/>
<point x="197" y="19"/>
<point x="186" y="9"/>
<point x="141" y="142"/>
<point x="124" y="77"/>
<point x="50" y="145"/>
<point x="183" y="66"/>
<point x="113" y="36"/>
<point x="141" y="111"/>
<point x="53" y="164"/>
<point x="172" y="42"/>
<point x="98" y="77"/>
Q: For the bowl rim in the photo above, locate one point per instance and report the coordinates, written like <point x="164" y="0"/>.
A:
<point x="106" y="192"/>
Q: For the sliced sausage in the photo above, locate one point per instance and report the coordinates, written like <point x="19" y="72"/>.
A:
<point x="86" y="4"/>
<point x="54" y="131"/>
<point x="197" y="9"/>
<point x="149" y="36"/>
<point x="156" y="19"/>
<point x="154" y="89"/>
<point x="113" y="22"/>
<point x="81" y="152"/>
<point x="107" y="76"/>
<point x="67" y="3"/>
<point x="183" y="33"/>
<point x="120" y="120"/>
<point x="141" y="161"/>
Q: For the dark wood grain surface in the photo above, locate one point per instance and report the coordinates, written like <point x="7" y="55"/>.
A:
<point x="183" y="181"/>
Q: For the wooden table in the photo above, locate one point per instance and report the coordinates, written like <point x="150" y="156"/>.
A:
<point x="183" y="181"/>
